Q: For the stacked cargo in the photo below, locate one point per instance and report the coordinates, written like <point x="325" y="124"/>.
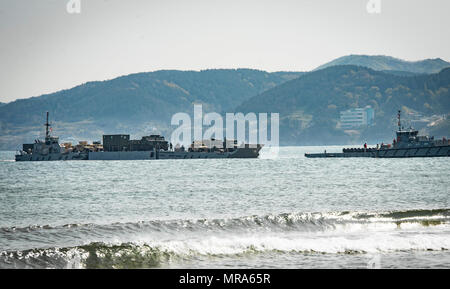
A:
<point x="122" y="142"/>
<point x="116" y="142"/>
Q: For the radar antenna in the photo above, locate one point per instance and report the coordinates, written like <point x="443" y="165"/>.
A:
<point x="46" y="127"/>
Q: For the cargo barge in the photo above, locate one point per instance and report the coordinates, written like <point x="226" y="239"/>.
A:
<point x="121" y="147"/>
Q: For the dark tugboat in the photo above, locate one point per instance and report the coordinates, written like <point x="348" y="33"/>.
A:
<point x="408" y="144"/>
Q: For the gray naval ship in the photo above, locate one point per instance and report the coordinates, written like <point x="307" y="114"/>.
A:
<point x="121" y="147"/>
<point x="407" y="144"/>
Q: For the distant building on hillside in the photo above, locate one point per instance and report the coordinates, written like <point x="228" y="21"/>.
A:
<point x="357" y="117"/>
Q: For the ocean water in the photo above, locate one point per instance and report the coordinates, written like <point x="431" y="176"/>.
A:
<point x="284" y="212"/>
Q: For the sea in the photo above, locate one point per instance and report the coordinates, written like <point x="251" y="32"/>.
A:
<point x="278" y="211"/>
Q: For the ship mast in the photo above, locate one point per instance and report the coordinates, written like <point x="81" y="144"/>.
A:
<point x="46" y="127"/>
<point x="399" y="123"/>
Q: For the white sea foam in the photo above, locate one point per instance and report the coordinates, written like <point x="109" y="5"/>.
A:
<point x="323" y="242"/>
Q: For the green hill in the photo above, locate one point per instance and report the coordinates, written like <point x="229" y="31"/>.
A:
<point x="310" y="106"/>
<point x="139" y="103"/>
<point x="388" y="63"/>
<point x="309" y="103"/>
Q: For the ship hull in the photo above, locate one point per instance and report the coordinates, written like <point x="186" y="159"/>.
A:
<point x="142" y="155"/>
<point x="164" y="155"/>
<point x="50" y="157"/>
<point x="434" y="151"/>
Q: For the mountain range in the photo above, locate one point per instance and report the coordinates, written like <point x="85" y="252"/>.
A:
<point x="308" y="102"/>
<point x="310" y="106"/>
<point x="390" y="64"/>
<point x="140" y="103"/>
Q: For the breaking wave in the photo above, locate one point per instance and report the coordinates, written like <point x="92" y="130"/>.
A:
<point x="286" y="221"/>
<point x="159" y="242"/>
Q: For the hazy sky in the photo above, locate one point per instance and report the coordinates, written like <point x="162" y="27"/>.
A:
<point x="43" y="48"/>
